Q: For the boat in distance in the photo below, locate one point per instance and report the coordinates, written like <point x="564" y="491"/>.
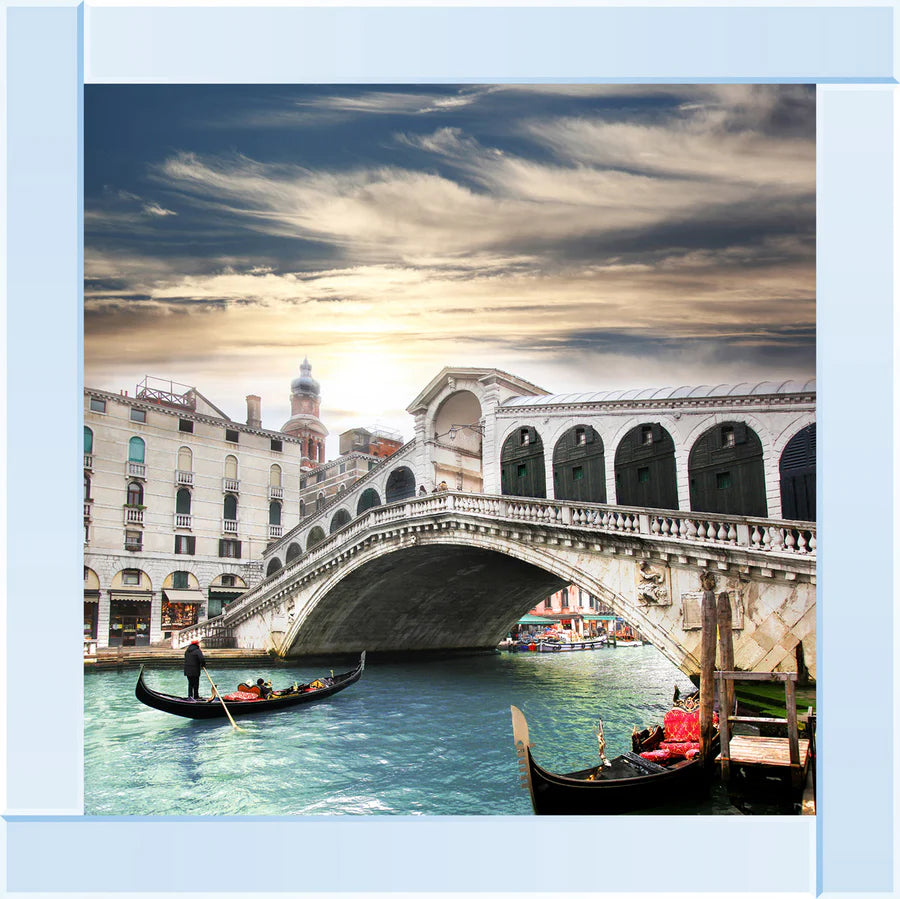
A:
<point x="626" y="783"/>
<point x="321" y="688"/>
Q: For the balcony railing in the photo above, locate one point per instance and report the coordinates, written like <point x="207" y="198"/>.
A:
<point x="229" y="526"/>
<point x="231" y="485"/>
<point x="87" y="509"/>
<point x="276" y="492"/>
<point x="133" y="545"/>
<point x="136" y="469"/>
<point x="133" y="515"/>
<point x="89" y="461"/>
<point x="184" y="478"/>
<point x="276" y="531"/>
<point x="182" y="521"/>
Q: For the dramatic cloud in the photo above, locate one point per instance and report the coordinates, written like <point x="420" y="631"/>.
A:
<point x="582" y="236"/>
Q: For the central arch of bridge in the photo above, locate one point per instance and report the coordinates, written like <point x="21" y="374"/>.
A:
<point x="422" y="597"/>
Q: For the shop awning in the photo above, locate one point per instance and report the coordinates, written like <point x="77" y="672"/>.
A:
<point x="92" y="596"/>
<point x="534" y="619"/>
<point x="133" y="596"/>
<point x="183" y="595"/>
<point x="599" y="617"/>
<point x="218" y="588"/>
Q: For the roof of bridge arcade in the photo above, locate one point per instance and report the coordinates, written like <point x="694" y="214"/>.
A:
<point x="438" y="381"/>
<point x="705" y="391"/>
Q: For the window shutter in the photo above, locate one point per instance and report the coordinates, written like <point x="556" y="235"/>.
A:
<point x="657" y="432"/>
<point x="589" y="434"/>
<point x="740" y="432"/>
<point x="192" y="543"/>
<point x="221" y="547"/>
<point x="237" y="544"/>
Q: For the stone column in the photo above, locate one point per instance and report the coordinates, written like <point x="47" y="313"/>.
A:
<point x="772" y="475"/>
<point x="490" y="450"/>
<point x="682" y="478"/>
<point x="156" y="616"/>
<point x="423" y="470"/>
<point x="103" y="621"/>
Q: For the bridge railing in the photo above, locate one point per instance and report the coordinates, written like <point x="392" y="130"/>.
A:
<point x="771" y="536"/>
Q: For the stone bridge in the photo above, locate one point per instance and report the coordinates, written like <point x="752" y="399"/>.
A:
<point x="454" y="570"/>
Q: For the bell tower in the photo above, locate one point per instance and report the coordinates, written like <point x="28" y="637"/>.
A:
<point x="304" y="421"/>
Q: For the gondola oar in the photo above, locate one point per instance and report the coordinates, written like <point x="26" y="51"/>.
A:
<point x="216" y="693"/>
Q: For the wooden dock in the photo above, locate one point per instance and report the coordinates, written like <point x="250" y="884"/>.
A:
<point x="765" y="751"/>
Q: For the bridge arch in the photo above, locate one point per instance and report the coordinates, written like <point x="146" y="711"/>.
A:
<point x="341" y="517"/>
<point x="522" y="467"/>
<point x="726" y="473"/>
<point x="400" y="484"/>
<point x="368" y="499"/>
<point x="797" y="470"/>
<point x="294" y="551"/>
<point x="645" y="468"/>
<point x="579" y="468"/>
<point x="473" y="592"/>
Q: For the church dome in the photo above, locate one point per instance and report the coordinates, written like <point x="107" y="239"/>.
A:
<point x="306" y="383"/>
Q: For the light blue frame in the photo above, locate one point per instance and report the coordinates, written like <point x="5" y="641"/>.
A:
<point x="848" y="51"/>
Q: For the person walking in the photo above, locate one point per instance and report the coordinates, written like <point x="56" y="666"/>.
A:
<point x="193" y="662"/>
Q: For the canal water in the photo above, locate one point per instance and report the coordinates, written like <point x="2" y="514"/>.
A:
<point x="411" y="738"/>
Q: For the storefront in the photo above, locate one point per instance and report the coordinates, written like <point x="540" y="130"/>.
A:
<point x="129" y="619"/>
<point x="91" y="614"/>
<point x="180" y="609"/>
<point x="596" y="625"/>
<point x="220" y="597"/>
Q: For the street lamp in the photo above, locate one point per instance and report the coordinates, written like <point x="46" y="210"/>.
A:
<point x="455" y="429"/>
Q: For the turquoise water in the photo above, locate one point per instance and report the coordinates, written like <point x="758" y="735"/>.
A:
<point x="411" y="738"/>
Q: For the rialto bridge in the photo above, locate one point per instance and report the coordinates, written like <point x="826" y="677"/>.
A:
<point x="630" y="496"/>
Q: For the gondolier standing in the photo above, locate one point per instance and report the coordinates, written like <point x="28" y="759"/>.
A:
<point x="193" y="662"/>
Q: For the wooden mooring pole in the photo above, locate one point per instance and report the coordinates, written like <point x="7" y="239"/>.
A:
<point x="707" y="675"/>
<point x="726" y="653"/>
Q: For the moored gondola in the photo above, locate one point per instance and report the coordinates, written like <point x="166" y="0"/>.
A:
<point x="321" y="688"/>
<point x="627" y="783"/>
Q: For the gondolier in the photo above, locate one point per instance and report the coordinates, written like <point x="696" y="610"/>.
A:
<point x="193" y="662"/>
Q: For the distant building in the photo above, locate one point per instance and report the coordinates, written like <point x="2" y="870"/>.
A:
<point x="304" y="423"/>
<point x="376" y="442"/>
<point x="179" y="503"/>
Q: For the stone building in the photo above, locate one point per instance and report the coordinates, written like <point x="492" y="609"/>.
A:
<point x="179" y="503"/>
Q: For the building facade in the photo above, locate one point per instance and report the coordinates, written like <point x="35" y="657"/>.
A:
<point x="179" y="504"/>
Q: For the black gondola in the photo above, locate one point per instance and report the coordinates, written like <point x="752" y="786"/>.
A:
<point x="628" y="783"/>
<point x="284" y="699"/>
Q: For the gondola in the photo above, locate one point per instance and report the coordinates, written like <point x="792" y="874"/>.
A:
<point x="283" y="699"/>
<point x="627" y="783"/>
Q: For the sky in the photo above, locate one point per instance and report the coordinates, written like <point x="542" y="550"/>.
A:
<point x="582" y="237"/>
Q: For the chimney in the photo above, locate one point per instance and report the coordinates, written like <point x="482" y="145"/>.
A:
<point x="254" y="413"/>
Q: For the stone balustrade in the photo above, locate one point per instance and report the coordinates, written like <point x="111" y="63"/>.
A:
<point x="764" y="536"/>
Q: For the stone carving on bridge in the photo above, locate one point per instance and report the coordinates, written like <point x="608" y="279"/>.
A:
<point x="653" y="584"/>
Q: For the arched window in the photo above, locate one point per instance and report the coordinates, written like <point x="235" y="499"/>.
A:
<point x="275" y="512"/>
<point x="136" y="450"/>
<point x="320" y="502"/>
<point x="578" y="466"/>
<point x="229" y="507"/>
<point x="135" y="494"/>
<point x="368" y="500"/>
<point x="316" y="535"/>
<point x="645" y="468"/>
<point x="797" y="471"/>
<point x="522" y="464"/>
<point x="726" y="472"/>
<point x="231" y="467"/>
<point x="302" y="509"/>
<point x="275" y="476"/>
<point x="181" y="580"/>
<point x="341" y="517"/>
<point x="273" y="566"/>
<point x="183" y="501"/>
<point x="401" y="484"/>
<point x="88" y="440"/>
<point x="185" y="458"/>
<point x="311" y="449"/>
